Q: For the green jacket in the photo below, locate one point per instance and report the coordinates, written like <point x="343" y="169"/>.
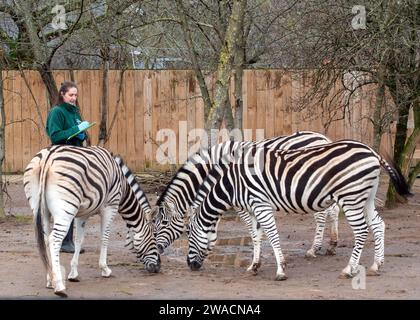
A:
<point x="62" y="122"/>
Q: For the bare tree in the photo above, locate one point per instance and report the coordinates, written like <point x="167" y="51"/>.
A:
<point x="384" y="51"/>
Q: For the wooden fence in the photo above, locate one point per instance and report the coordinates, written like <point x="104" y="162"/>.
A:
<point x="152" y="101"/>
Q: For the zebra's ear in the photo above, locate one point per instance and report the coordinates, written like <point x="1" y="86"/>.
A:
<point x="170" y="209"/>
<point x="154" y="213"/>
<point x="149" y="216"/>
<point x="191" y="212"/>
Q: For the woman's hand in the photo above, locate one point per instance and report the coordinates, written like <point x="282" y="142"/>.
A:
<point x="83" y="125"/>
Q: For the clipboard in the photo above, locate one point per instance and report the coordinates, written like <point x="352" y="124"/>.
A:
<point x="75" y="134"/>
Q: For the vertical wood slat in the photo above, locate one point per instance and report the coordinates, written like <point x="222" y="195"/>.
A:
<point x="8" y="109"/>
<point x="148" y="105"/>
<point x="130" y="152"/>
<point x="139" y="115"/>
<point x="156" y="100"/>
<point x="17" y="121"/>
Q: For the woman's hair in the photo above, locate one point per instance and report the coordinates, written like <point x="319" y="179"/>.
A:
<point x="65" y="86"/>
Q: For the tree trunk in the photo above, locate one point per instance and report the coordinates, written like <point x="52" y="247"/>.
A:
<point x="50" y="84"/>
<point x="414" y="138"/>
<point x="224" y="70"/>
<point x="377" y="115"/>
<point x="399" y="145"/>
<point x="194" y="59"/>
<point x="239" y="60"/>
<point x="104" y="104"/>
<point x="2" y="141"/>
<point x="39" y="49"/>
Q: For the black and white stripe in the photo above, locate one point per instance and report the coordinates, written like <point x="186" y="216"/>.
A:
<point x="68" y="182"/>
<point x="306" y="181"/>
<point x="181" y="191"/>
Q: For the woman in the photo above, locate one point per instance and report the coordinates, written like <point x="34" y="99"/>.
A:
<point x="63" y="121"/>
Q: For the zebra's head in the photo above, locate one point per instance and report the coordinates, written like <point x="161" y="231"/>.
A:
<point x="201" y="239"/>
<point x="168" y="225"/>
<point x="144" y="242"/>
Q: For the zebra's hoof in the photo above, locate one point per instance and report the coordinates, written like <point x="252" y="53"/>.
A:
<point x="372" y="272"/>
<point x="310" y="254"/>
<point x="254" y="268"/>
<point x="281" y="277"/>
<point x="60" y="290"/>
<point x="345" y="275"/>
<point x="61" y="293"/>
<point x="75" y="279"/>
<point x="106" y="273"/>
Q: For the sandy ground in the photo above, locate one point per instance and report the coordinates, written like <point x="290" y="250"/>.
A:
<point x="223" y="275"/>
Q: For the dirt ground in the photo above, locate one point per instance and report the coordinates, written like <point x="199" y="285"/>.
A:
<point x="223" y="275"/>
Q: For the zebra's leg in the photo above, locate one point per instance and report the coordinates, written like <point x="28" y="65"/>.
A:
<point x="377" y="225"/>
<point x="78" y="241"/>
<point x="264" y="215"/>
<point x="357" y="221"/>
<point x="255" y="230"/>
<point x="333" y="213"/>
<point x="129" y="240"/>
<point x="46" y="228"/>
<point x="320" y="218"/>
<point x="107" y="215"/>
<point x="59" y="231"/>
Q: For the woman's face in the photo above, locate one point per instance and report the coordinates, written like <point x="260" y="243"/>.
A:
<point x="70" y="96"/>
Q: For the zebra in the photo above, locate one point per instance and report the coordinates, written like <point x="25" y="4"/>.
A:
<point x="181" y="191"/>
<point x="68" y="182"/>
<point x="308" y="180"/>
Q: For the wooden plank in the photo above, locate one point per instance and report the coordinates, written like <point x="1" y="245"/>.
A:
<point x="270" y="111"/>
<point x="44" y="106"/>
<point x="139" y="77"/>
<point x="36" y="129"/>
<point x="195" y="134"/>
<point x="286" y="102"/>
<point x="250" y="104"/>
<point x="148" y="105"/>
<point x="277" y="101"/>
<point x="122" y="120"/>
<point x="95" y="104"/>
<point x="17" y="125"/>
<point x="181" y="101"/>
<point x="191" y="96"/>
<point x="245" y="129"/>
<point x="261" y="84"/>
<point x="113" y="85"/>
<point x="83" y="81"/>
<point x="27" y="124"/>
<point x="130" y="120"/>
<point x="8" y="110"/>
<point x="159" y="111"/>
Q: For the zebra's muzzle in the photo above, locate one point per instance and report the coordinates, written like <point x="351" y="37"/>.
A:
<point x="152" y="267"/>
<point x="194" y="265"/>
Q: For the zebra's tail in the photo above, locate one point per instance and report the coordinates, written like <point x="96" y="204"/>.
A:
<point x="39" y="229"/>
<point x="397" y="178"/>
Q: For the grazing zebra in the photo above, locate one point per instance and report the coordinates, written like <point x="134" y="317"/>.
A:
<point x="307" y="180"/>
<point x="68" y="182"/>
<point x="181" y="191"/>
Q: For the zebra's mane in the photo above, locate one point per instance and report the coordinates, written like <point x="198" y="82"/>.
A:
<point x="212" y="178"/>
<point x="184" y="169"/>
<point x="132" y="181"/>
